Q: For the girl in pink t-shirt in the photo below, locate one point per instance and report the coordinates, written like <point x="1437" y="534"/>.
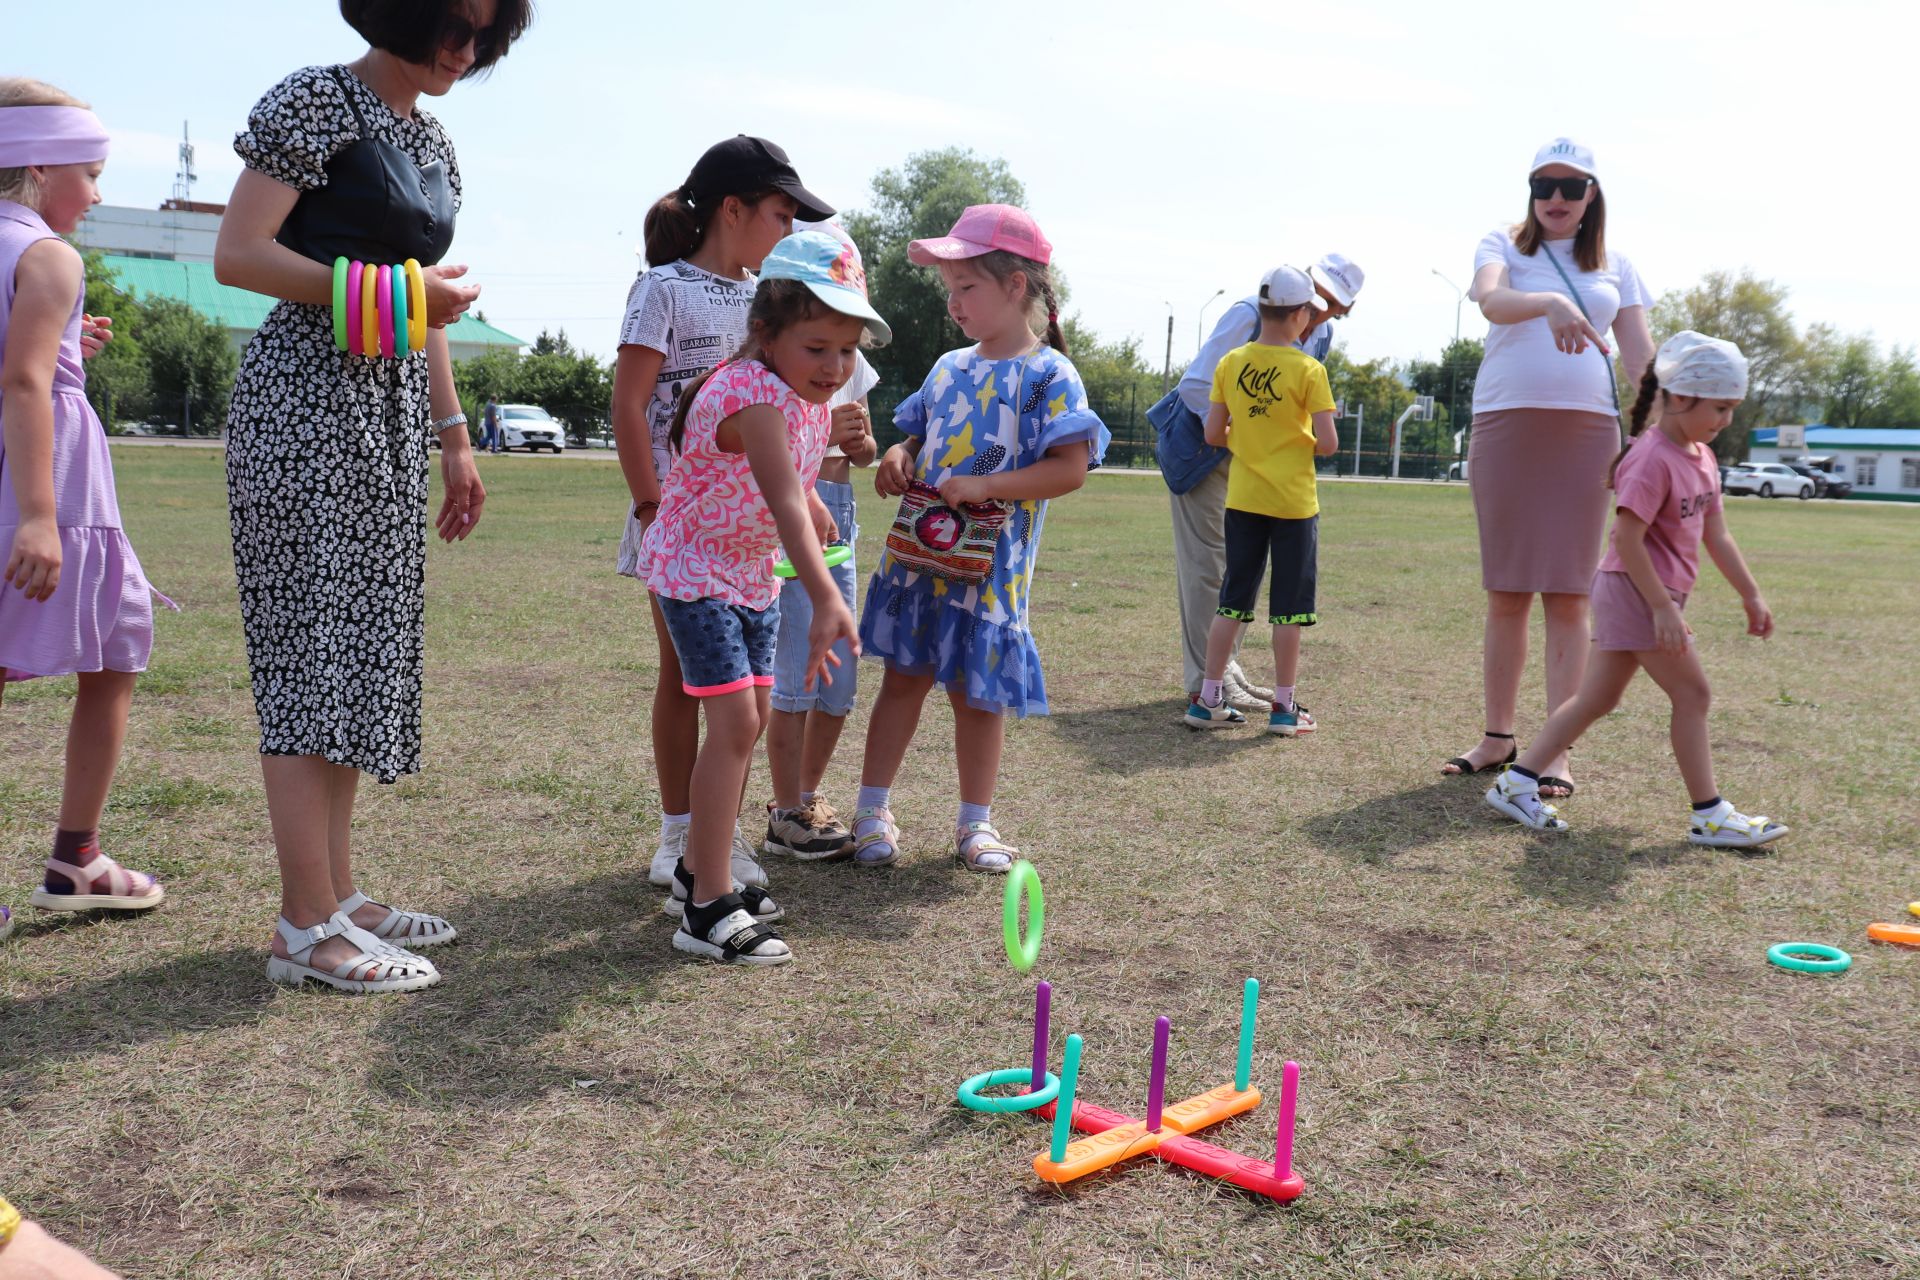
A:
<point x="1667" y="502"/>
<point x="750" y="436"/>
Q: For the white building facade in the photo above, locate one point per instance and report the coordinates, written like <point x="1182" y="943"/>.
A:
<point x="1881" y="463"/>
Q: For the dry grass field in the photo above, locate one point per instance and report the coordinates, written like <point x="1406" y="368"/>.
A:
<point x="1523" y="1055"/>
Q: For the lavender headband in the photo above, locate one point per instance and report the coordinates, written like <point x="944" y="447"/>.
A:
<point x="50" y="135"/>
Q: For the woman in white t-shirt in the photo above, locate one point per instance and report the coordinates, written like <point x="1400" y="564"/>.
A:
<point x="1546" y="427"/>
<point x="685" y="314"/>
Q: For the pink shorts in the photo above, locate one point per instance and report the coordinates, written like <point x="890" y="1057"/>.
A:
<point x="1621" y="619"/>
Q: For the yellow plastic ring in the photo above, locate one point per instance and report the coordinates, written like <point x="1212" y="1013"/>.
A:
<point x="416" y="306"/>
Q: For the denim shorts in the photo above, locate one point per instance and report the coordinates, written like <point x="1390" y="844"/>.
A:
<point x="832" y="691"/>
<point x="723" y="647"/>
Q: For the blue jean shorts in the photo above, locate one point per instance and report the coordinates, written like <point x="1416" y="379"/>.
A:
<point x="833" y="691"/>
<point x="723" y="647"/>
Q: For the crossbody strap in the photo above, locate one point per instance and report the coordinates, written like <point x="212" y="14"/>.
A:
<point x="1613" y="383"/>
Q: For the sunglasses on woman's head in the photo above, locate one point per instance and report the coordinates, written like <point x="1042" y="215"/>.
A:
<point x="1569" y="188"/>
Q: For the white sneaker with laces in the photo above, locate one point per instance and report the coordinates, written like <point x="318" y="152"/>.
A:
<point x="746" y="861"/>
<point x="1725" y="827"/>
<point x="1517" y="796"/>
<point x="1238" y="682"/>
<point x="673" y="843"/>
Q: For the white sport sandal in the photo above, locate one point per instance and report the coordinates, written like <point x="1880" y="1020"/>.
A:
<point x="101" y="885"/>
<point x="1725" y="827"/>
<point x="378" y="969"/>
<point x="403" y="929"/>
<point x="1517" y="796"/>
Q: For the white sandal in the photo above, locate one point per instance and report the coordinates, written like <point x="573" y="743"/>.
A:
<point x="982" y="849"/>
<point x="124" y="890"/>
<point x="403" y="929"/>
<point x="379" y="968"/>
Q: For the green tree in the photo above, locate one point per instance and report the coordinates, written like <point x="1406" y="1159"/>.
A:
<point x="1752" y="314"/>
<point x="1121" y="387"/>
<point x="570" y="385"/>
<point x="921" y="198"/>
<point x="1449" y="380"/>
<point x="190" y="365"/>
<point x="1898" y="404"/>
<point x="118" y="380"/>
<point x="1376" y="385"/>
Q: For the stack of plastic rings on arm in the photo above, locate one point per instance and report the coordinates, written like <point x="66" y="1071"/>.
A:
<point x="378" y="310"/>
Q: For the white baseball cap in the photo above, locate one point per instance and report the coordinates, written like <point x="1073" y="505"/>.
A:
<point x="1692" y="364"/>
<point x="1567" y="152"/>
<point x="1339" y="276"/>
<point x="1289" y="287"/>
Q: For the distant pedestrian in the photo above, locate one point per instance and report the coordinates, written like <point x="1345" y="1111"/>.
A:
<point x="490" y="426"/>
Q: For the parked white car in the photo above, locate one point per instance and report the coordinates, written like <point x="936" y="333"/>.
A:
<point x="1769" y="480"/>
<point x="529" y="427"/>
<point x="1457" y="470"/>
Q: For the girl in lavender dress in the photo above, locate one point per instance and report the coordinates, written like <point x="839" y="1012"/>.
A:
<point x="74" y="600"/>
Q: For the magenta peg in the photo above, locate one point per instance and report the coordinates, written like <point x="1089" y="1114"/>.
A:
<point x="1042" y="1005"/>
<point x="1283" y="1141"/>
<point x="1157" y="1083"/>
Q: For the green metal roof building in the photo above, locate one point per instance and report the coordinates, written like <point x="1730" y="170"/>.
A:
<point x="240" y="312"/>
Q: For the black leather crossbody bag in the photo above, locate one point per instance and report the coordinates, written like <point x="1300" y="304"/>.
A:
<point x="377" y="205"/>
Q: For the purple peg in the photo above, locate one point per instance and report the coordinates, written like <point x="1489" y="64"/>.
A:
<point x="1157" y="1083"/>
<point x="1283" y="1141"/>
<point x="1042" y="1004"/>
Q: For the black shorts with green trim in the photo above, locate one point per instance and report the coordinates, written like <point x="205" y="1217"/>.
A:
<point x="1293" y="546"/>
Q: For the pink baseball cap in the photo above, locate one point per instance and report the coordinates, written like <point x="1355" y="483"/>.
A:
<point x="983" y="228"/>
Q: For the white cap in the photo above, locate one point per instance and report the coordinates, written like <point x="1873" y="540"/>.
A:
<point x="1289" y="287"/>
<point x="1340" y="276"/>
<point x="1567" y="152"/>
<point x="1692" y="364"/>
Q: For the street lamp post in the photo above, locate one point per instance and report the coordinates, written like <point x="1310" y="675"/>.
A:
<point x="1200" y="322"/>
<point x="1453" y="385"/>
<point x="1166" y="370"/>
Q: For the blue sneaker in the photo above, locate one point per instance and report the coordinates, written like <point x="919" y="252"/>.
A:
<point x="1201" y="716"/>
<point x="1290" y="724"/>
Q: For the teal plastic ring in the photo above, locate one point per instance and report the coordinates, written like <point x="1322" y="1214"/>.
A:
<point x="837" y="554"/>
<point x="1023" y="879"/>
<point x="399" y="280"/>
<point x="1809" y="957"/>
<point x="971" y="1097"/>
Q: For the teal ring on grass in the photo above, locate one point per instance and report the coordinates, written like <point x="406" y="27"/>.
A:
<point x="1809" y="957"/>
<point x="970" y="1095"/>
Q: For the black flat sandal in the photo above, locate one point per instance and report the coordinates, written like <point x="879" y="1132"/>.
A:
<point x="1464" y="767"/>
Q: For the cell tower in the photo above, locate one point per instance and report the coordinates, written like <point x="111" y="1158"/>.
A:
<point x="184" y="177"/>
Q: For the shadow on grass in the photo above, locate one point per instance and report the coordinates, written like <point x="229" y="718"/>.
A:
<point x="1147" y="735"/>
<point x="600" y="942"/>
<point x="1379" y="829"/>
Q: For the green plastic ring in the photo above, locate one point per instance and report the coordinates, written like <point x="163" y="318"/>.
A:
<point x="837" y="554"/>
<point x="340" y="303"/>
<point x="970" y="1095"/>
<point x="1809" y="957"/>
<point x="1023" y="879"/>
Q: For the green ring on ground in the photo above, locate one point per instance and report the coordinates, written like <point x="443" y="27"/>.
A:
<point x="1809" y="957"/>
<point x="837" y="554"/>
<point x="971" y="1097"/>
<point x="1022" y="952"/>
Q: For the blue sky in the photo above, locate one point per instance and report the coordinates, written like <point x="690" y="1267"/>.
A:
<point x="1167" y="151"/>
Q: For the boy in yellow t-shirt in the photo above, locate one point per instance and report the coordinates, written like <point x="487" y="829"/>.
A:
<point x="1273" y="410"/>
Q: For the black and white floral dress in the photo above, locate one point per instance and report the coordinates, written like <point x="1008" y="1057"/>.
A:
<point x="327" y="478"/>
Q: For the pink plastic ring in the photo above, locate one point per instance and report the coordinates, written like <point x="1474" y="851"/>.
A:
<point x="383" y="303"/>
<point x="354" y="271"/>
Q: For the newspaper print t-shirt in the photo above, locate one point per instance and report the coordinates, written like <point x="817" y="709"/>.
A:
<point x="694" y="319"/>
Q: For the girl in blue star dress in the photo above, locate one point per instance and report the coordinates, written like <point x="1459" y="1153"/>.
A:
<point x="995" y="431"/>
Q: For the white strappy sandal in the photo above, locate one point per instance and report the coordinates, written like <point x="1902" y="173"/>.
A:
<point x="404" y="929"/>
<point x="378" y="968"/>
<point x="101" y="885"/>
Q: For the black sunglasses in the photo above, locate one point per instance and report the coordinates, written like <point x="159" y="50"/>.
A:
<point x="456" y="33"/>
<point x="1569" y="188"/>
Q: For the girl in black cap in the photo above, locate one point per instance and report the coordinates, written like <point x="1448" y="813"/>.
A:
<point x="685" y="314"/>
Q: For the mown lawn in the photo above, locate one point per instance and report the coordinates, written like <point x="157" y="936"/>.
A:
<point x="1523" y="1056"/>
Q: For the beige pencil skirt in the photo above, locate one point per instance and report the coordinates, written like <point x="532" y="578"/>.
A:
<point x="1539" y="480"/>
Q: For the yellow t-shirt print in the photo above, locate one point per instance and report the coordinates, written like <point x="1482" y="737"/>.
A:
<point x="1271" y="394"/>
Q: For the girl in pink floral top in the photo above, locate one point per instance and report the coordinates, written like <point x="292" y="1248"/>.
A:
<point x="750" y="437"/>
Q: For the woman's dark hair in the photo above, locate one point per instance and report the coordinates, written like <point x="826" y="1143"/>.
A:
<point x="1589" y="242"/>
<point x="1001" y="265"/>
<point x="415" y="30"/>
<point x="676" y="226"/>
<point x="778" y="305"/>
